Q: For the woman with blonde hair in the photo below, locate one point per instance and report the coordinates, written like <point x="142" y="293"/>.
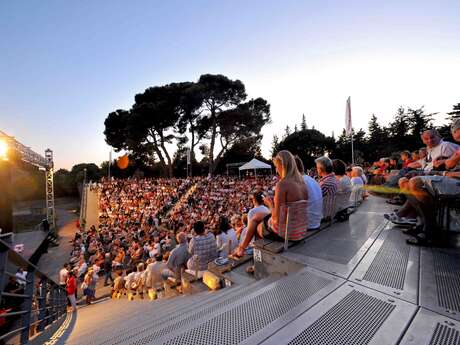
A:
<point x="290" y="193"/>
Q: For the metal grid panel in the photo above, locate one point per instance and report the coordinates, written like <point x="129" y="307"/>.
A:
<point x="153" y="316"/>
<point x="447" y="275"/>
<point x="440" y="281"/>
<point x="358" y="238"/>
<point x="239" y="323"/>
<point x="141" y="314"/>
<point x="429" y="328"/>
<point x="390" y="264"/>
<point x="173" y="322"/>
<point x="354" y="320"/>
<point x="445" y="335"/>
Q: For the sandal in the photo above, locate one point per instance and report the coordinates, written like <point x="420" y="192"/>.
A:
<point x="419" y="240"/>
<point x="250" y="269"/>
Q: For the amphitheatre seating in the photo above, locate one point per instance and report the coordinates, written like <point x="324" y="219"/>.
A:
<point x="355" y="282"/>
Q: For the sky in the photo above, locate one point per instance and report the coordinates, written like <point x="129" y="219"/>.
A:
<point x="64" y="65"/>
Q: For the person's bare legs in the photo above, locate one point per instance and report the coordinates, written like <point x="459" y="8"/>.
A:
<point x="252" y="228"/>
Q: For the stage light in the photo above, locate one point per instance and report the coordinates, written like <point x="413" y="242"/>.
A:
<point x="3" y="150"/>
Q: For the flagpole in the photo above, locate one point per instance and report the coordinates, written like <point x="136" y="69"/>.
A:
<point x="352" y="152"/>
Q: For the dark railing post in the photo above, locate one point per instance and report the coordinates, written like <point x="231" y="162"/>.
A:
<point x="3" y="262"/>
<point x="27" y="305"/>
<point x="42" y="304"/>
<point x="53" y="303"/>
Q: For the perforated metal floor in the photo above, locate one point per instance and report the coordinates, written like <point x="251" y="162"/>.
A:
<point x="440" y="281"/>
<point x="339" y="249"/>
<point x="257" y="316"/>
<point x="429" y="328"/>
<point x="390" y="266"/>
<point x="352" y="314"/>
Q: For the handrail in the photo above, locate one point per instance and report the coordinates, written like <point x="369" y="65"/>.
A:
<point x="30" y="304"/>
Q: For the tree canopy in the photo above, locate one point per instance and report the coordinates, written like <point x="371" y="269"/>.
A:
<point x="212" y="111"/>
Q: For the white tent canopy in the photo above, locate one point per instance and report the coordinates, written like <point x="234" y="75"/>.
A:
<point x="254" y="164"/>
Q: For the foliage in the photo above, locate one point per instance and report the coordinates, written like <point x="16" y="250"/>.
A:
<point x="211" y="111"/>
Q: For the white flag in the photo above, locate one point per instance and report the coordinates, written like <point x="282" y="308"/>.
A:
<point x="348" y="124"/>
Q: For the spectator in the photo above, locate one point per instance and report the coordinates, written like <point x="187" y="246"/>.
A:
<point x="290" y="193"/>
<point x="107" y="269"/>
<point x="438" y="150"/>
<point x="344" y="189"/>
<point x="177" y="259"/>
<point x="71" y="288"/>
<point x="327" y="182"/>
<point x="202" y="248"/>
<point x="89" y="286"/>
<point x="63" y="275"/>
<point x="21" y="275"/>
<point x="255" y="216"/>
<point x="315" y="198"/>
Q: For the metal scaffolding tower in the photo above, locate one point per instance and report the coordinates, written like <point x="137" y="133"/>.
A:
<point x="27" y="155"/>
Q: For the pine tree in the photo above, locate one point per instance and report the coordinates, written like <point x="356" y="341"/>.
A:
<point x="287" y="132"/>
<point x="419" y="120"/>
<point x="295" y="128"/>
<point x="455" y="113"/>
<point x="303" y="124"/>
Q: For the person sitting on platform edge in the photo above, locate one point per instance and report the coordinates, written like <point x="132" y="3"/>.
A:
<point x="290" y="193"/>
<point x="255" y="216"/>
<point x="329" y="185"/>
<point x="421" y="200"/>
<point x="315" y="197"/>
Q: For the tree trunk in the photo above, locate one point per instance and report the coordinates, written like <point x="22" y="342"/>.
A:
<point x="213" y="140"/>
<point x="219" y="156"/>
<point x="159" y="154"/>
<point x="162" y="144"/>
<point x="192" y="148"/>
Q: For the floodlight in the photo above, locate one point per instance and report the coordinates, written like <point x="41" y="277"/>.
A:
<point x="3" y="150"/>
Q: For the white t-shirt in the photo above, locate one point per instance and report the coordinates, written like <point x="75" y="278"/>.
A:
<point x="357" y="181"/>
<point x="443" y="149"/>
<point x="315" y="202"/>
<point x="233" y="238"/>
<point x="252" y="212"/>
<point x="63" y="275"/>
<point x="21" y="277"/>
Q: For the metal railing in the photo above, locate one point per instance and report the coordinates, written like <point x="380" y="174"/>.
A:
<point x="30" y="304"/>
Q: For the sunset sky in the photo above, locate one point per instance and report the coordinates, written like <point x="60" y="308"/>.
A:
<point x="65" y="65"/>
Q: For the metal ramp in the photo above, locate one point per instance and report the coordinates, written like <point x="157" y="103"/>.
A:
<point x="351" y="315"/>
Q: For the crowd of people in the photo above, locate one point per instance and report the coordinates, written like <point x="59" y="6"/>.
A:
<point x="420" y="178"/>
<point x="154" y="229"/>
